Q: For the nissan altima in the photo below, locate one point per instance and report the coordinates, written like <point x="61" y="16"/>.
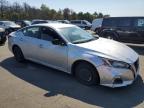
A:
<point x="91" y="59"/>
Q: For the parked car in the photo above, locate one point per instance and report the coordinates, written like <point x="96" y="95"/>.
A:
<point x="124" y="29"/>
<point x="96" y="24"/>
<point x="81" y="23"/>
<point x="9" y="26"/>
<point x="2" y="36"/>
<point x="39" y="22"/>
<point x="23" y="23"/>
<point x="71" y="49"/>
<point x="64" y="21"/>
<point x="53" y="21"/>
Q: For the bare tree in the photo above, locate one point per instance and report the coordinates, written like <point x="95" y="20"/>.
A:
<point x="2" y="7"/>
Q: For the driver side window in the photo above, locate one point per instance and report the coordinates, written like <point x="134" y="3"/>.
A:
<point x="48" y="34"/>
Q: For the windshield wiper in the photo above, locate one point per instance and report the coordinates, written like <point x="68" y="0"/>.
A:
<point x="84" y="41"/>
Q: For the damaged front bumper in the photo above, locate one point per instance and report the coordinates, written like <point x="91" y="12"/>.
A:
<point x="117" y="77"/>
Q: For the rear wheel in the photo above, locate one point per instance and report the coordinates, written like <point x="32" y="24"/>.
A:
<point x="18" y="54"/>
<point x="86" y="74"/>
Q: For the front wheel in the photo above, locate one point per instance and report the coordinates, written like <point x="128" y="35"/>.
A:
<point x="18" y="54"/>
<point x="86" y="74"/>
<point x="110" y="36"/>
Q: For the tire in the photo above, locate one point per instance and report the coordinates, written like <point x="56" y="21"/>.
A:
<point x="86" y="74"/>
<point x="110" y="36"/>
<point x="18" y="54"/>
<point x="2" y="41"/>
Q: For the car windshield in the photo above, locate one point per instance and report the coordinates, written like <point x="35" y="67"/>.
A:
<point x="76" y="35"/>
<point x="9" y="23"/>
<point x="87" y="22"/>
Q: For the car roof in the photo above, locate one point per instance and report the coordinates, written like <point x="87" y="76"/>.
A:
<point x="55" y="25"/>
<point x="125" y="17"/>
<point x="6" y="21"/>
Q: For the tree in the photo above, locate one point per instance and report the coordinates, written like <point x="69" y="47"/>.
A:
<point x="59" y="15"/>
<point x="100" y="15"/>
<point x="73" y="16"/>
<point x="44" y="12"/>
<point x="17" y="11"/>
<point x="66" y="13"/>
<point x="80" y="15"/>
<point x="2" y="7"/>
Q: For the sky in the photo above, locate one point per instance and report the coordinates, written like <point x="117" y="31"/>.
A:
<point x="112" y="7"/>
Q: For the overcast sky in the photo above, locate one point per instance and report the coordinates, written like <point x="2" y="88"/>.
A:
<point x="112" y="7"/>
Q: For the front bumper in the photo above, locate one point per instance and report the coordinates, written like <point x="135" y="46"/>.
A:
<point x="117" y="77"/>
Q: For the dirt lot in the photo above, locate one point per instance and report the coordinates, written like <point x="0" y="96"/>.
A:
<point x="31" y="85"/>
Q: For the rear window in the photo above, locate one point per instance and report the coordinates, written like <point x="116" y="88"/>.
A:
<point x="139" y="22"/>
<point x="32" y="32"/>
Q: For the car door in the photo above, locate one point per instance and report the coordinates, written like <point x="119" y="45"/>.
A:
<point x="125" y="30"/>
<point x="28" y="40"/>
<point x="50" y="54"/>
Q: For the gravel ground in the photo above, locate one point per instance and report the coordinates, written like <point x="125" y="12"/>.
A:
<point x="31" y="85"/>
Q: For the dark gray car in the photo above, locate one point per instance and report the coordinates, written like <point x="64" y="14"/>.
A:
<point x="125" y="29"/>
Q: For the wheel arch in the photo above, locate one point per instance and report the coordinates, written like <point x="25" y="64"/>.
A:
<point x="109" y="31"/>
<point x="82" y="61"/>
<point x="15" y="45"/>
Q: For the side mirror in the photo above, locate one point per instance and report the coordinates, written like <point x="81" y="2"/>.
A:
<point x="58" y="42"/>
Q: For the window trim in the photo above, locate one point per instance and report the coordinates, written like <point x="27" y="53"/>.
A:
<point x="59" y="36"/>
<point x="31" y="27"/>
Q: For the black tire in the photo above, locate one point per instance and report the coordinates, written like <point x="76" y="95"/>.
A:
<point x="111" y="36"/>
<point x="18" y="54"/>
<point x="86" y="74"/>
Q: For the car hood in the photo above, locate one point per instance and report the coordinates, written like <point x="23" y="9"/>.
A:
<point x="110" y="49"/>
<point x="14" y="26"/>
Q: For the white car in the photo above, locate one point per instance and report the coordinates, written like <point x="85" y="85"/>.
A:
<point x="68" y="48"/>
<point x="9" y="26"/>
<point x="96" y="24"/>
<point x="81" y="23"/>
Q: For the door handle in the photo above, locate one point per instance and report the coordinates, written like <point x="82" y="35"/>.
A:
<point x="41" y="46"/>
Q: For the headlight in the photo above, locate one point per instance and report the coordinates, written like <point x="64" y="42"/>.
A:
<point x="116" y="64"/>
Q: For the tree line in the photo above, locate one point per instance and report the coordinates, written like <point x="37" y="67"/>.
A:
<point x="17" y="11"/>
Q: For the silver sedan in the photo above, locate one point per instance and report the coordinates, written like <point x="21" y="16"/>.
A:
<point x="91" y="59"/>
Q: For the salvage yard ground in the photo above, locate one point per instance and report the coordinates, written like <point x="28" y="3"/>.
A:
<point x="31" y="85"/>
